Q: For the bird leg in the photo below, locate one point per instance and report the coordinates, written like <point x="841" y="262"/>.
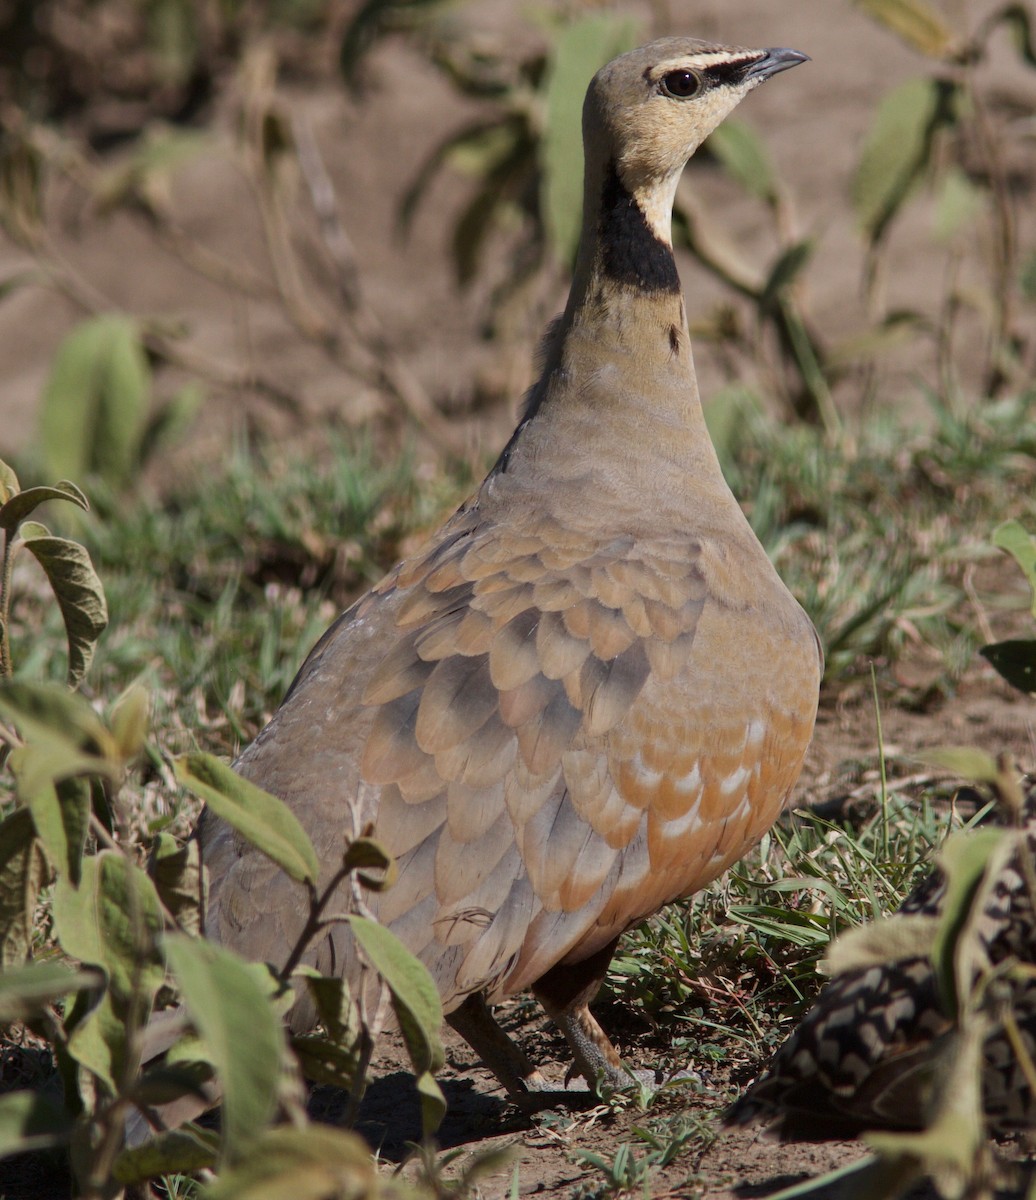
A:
<point x="478" y="1027"/>
<point x="565" y="992"/>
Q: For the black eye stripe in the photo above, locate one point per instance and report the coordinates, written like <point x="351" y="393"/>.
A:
<point x="728" y="72"/>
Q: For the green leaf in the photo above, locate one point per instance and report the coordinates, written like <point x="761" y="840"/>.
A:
<point x="330" y="995"/>
<point x="580" y="48"/>
<point x="20" y="505"/>
<point x="145" y="175"/>
<point x="969" y="859"/>
<point x="916" y="22"/>
<point x="897" y="150"/>
<point x="743" y="155"/>
<point x="23" y="871"/>
<point x="243" y="1037"/>
<point x="366" y="852"/>
<point x="784" y="272"/>
<point x="113" y="919"/>
<point x="327" y="1062"/>
<point x="176" y="1151"/>
<point x="1015" y="660"/>
<point x="1013" y="537"/>
<point x="61" y="814"/>
<point x="418" y="1009"/>
<point x="950" y="1147"/>
<point x="172" y="421"/>
<point x="170" y="1081"/>
<point x="130" y="720"/>
<point x="959" y="203"/>
<point x="46" y="714"/>
<point x="95" y="405"/>
<point x="965" y="761"/>
<point x="99" y="1041"/>
<point x="264" y="820"/>
<point x="29" y="1121"/>
<point x="178" y="876"/>
<point x="26" y="990"/>
<point x="306" y="1164"/>
<point x="79" y="592"/>
<point x="8" y="482"/>
<point x="891" y="940"/>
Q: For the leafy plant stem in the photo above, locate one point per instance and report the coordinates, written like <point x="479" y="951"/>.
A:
<point x="882" y="767"/>
<point x="1004" y="253"/>
<point x="314" y="922"/>
<point x="6" y="570"/>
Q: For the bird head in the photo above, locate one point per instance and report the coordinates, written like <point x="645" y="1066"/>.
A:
<point x="647" y="111"/>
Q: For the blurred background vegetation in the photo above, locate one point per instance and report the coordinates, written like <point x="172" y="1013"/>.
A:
<point x="271" y="279"/>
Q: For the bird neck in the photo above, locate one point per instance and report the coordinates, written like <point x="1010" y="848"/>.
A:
<point x="618" y="375"/>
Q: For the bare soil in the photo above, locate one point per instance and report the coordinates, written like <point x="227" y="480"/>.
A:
<point x="813" y="122"/>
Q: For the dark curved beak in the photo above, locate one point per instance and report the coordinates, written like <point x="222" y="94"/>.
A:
<point x="778" y="59"/>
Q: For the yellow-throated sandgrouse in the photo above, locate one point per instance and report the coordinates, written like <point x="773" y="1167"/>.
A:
<point x="876" y="1048"/>
<point x="590" y="692"/>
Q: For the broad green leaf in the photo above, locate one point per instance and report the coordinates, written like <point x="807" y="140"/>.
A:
<point x="785" y="271"/>
<point x="367" y="853"/>
<point x="100" y="1040"/>
<point x="26" y="990"/>
<point x="29" y="1121"/>
<point x="330" y="995"/>
<point x="1013" y="537"/>
<point x="897" y="150"/>
<point x="20" y="505"/>
<point x="39" y="768"/>
<point x="23" y="871"/>
<point x="178" y="876"/>
<point x="8" y="482"/>
<point x="949" y="1148"/>
<point x="112" y="920"/>
<point x="965" y="761"/>
<point x="172" y="421"/>
<point x="970" y="860"/>
<point x="242" y="1034"/>
<point x="170" y="1081"/>
<point x="45" y="712"/>
<point x="306" y="1164"/>
<point x="916" y="22"/>
<point x="891" y="940"/>
<point x="61" y="814"/>
<point x="130" y="720"/>
<point x="418" y="1008"/>
<point x="146" y="174"/>
<point x="327" y="1062"/>
<point x="176" y="1151"/>
<point x="958" y="204"/>
<point x="264" y="820"/>
<point x="743" y="155"/>
<point x="80" y="596"/>
<point x="580" y="48"/>
<point x="899" y="328"/>
<point x="95" y="404"/>
<point x="1015" y="660"/>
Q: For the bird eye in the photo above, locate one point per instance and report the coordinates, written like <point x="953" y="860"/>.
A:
<point x="681" y="85"/>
